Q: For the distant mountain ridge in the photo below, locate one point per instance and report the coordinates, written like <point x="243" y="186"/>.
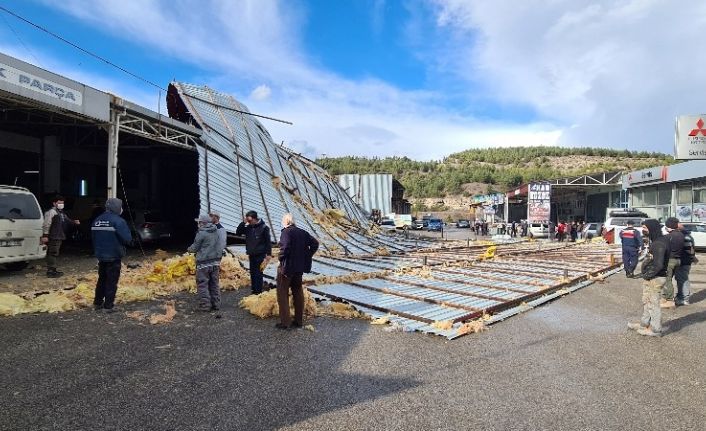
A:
<point x="465" y="172"/>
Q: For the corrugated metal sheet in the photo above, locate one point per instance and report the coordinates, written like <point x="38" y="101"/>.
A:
<point x="242" y="169"/>
<point x="370" y="191"/>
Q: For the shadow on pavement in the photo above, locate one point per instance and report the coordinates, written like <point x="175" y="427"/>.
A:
<point x="83" y="370"/>
<point x="680" y="323"/>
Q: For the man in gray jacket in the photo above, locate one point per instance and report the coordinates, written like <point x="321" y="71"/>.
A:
<point x="208" y="261"/>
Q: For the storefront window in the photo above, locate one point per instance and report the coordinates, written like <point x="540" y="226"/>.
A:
<point x="637" y="200"/>
<point x="664" y="194"/>
<point x="649" y="196"/>
<point x="700" y="192"/>
<point x="684" y="194"/>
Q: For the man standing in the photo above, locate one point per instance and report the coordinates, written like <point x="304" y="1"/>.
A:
<point x="654" y="271"/>
<point x="681" y="274"/>
<point x="296" y="250"/>
<point x="676" y="247"/>
<point x="110" y="235"/>
<point x="258" y="246"/>
<point x="632" y="243"/>
<point x="54" y="234"/>
<point x="222" y="234"/>
<point x="208" y="261"/>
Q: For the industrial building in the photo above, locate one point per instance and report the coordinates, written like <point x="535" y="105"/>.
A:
<point x="579" y="198"/>
<point x="376" y="192"/>
<point x="210" y="154"/>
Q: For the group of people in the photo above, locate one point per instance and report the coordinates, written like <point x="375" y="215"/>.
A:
<point x="669" y="256"/>
<point x="569" y="232"/>
<point x="110" y="234"/>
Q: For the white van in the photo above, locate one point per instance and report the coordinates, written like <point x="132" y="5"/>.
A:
<point x="538" y="230"/>
<point x="20" y="228"/>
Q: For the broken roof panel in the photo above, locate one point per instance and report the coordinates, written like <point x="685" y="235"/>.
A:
<point x="242" y="169"/>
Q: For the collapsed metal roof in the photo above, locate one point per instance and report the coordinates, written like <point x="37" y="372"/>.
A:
<point x="242" y="169"/>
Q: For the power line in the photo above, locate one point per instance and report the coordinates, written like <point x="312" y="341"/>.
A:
<point x="110" y="63"/>
<point x="22" y="42"/>
<point x="85" y="51"/>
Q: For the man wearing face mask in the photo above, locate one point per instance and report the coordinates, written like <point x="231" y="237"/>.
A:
<point x="54" y="234"/>
<point x="110" y="235"/>
<point x="258" y="246"/>
<point x="654" y="272"/>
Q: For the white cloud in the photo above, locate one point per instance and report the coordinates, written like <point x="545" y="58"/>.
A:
<point x="618" y="72"/>
<point x="240" y="45"/>
<point x="261" y="92"/>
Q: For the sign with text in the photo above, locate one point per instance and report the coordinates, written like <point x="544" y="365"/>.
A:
<point x="690" y="137"/>
<point x="40" y="85"/>
<point x="657" y="174"/>
<point x="539" y="198"/>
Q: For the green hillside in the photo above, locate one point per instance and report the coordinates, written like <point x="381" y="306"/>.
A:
<point x="498" y="168"/>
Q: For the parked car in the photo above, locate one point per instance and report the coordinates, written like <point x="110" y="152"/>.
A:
<point x="463" y="224"/>
<point x="150" y="227"/>
<point x="698" y="232"/>
<point x="617" y="221"/>
<point x="538" y="230"/>
<point x="592" y="229"/>
<point x="388" y="224"/>
<point x="20" y="228"/>
<point x="435" y="224"/>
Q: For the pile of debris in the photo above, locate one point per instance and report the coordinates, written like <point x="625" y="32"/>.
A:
<point x="160" y="277"/>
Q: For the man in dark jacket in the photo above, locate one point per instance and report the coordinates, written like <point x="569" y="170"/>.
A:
<point x="110" y="235"/>
<point x="676" y="247"/>
<point x="681" y="274"/>
<point x="209" y="252"/>
<point x="258" y="246"/>
<point x="296" y="250"/>
<point x="631" y="241"/>
<point x="654" y="271"/>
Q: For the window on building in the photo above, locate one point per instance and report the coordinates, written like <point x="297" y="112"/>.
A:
<point x="700" y="192"/>
<point x="649" y="196"/>
<point x="684" y="194"/>
<point x="637" y="200"/>
<point x="664" y="194"/>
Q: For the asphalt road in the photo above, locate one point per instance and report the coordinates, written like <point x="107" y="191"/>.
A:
<point x="568" y="365"/>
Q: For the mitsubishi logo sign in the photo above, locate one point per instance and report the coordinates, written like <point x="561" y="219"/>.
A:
<point x="699" y="128"/>
<point x="690" y="141"/>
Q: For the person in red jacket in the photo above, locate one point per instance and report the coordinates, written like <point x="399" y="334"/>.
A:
<point x="296" y="250"/>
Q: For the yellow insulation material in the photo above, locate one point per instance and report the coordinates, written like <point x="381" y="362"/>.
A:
<point x="168" y="316"/>
<point x="53" y="302"/>
<point x="443" y="325"/>
<point x="265" y="305"/>
<point x="11" y="304"/>
<point x="340" y="310"/>
<point x="472" y="327"/>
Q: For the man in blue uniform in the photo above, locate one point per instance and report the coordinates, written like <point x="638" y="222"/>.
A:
<point x="632" y="243"/>
<point x="110" y="236"/>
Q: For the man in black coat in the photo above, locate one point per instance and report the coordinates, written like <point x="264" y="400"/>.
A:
<point x="296" y="250"/>
<point x="654" y="272"/>
<point x="258" y="246"/>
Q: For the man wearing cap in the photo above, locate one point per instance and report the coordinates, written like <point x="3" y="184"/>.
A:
<point x="222" y="234"/>
<point x="54" y="234"/>
<point x="676" y="248"/>
<point x="110" y="234"/>
<point x="258" y="246"/>
<point x="208" y="261"/>
<point x="631" y="241"/>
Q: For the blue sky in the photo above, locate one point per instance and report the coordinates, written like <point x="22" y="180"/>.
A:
<point x="421" y="78"/>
